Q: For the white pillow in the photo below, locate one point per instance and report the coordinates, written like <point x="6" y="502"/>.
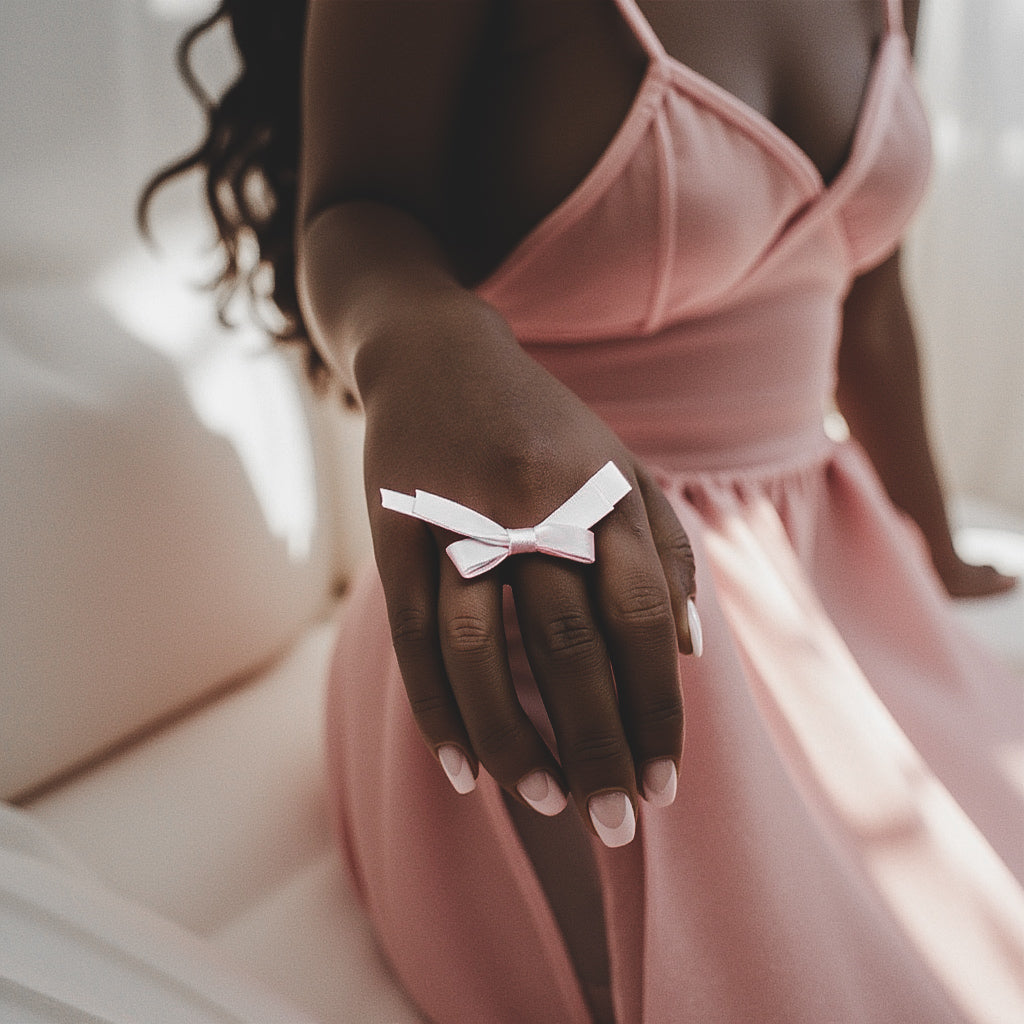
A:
<point x="166" y="518"/>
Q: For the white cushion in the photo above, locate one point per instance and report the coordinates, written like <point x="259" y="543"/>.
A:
<point x="220" y="823"/>
<point x="170" y="517"/>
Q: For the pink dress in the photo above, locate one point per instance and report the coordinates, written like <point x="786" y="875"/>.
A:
<point x="847" y="843"/>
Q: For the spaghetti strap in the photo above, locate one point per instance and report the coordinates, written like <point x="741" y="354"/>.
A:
<point x="894" y="16"/>
<point x="645" y="35"/>
<point x="655" y="49"/>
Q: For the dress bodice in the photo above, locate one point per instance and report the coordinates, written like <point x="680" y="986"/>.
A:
<point x="703" y="261"/>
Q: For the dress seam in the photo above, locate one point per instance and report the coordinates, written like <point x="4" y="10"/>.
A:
<point x="667" y="216"/>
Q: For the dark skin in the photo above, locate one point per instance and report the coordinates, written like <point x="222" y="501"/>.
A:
<point x="437" y="133"/>
<point x="880" y="396"/>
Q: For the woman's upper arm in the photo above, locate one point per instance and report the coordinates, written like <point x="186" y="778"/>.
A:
<point x="382" y="85"/>
<point x="875" y="319"/>
<point x="911" y="17"/>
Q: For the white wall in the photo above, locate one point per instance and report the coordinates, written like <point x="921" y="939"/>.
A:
<point x="90" y="106"/>
<point x="967" y="250"/>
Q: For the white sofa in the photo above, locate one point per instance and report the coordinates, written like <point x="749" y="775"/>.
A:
<point x="180" y="516"/>
<point x="165" y="630"/>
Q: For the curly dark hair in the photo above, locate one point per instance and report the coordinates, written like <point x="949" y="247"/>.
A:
<point x="249" y="159"/>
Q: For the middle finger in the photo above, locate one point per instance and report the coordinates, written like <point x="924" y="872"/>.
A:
<point x="471" y="627"/>
<point x="570" y="664"/>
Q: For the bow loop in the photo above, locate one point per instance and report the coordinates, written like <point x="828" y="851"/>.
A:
<point x="565" y="533"/>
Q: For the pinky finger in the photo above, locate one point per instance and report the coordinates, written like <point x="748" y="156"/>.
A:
<point x="676" y="556"/>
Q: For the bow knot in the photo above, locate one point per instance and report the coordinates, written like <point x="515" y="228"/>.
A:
<point x="523" y="542"/>
<point x="565" y="533"/>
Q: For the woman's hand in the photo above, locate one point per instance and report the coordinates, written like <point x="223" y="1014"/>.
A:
<point x="964" y="579"/>
<point x="453" y="406"/>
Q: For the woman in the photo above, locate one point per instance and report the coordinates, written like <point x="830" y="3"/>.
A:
<point x="533" y="238"/>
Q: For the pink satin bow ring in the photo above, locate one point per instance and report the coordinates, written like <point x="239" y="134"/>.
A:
<point x="565" y="533"/>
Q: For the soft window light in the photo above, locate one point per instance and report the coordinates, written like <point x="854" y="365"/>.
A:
<point x="239" y="387"/>
<point x="180" y="10"/>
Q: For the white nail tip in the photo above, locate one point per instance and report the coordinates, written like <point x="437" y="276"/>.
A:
<point x="613" y="819"/>
<point x="660" y="781"/>
<point x="457" y="768"/>
<point x="696" y="630"/>
<point x="542" y="793"/>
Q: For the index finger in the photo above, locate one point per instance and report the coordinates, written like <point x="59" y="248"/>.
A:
<point x="407" y="561"/>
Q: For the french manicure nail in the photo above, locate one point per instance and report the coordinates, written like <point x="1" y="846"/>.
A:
<point x="696" y="630"/>
<point x="660" y="780"/>
<point x="457" y="768"/>
<point x="542" y="793"/>
<point x="612" y="815"/>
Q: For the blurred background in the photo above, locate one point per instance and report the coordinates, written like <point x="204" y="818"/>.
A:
<point x="177" y="506"/>
<point x="966" y="266"/>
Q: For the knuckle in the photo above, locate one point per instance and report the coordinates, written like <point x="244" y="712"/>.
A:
<point x="660" y="714"/>
<point x="432" y="706"/>
<point x="571" y="635"/>
<point x="678" y="547"/>
<point x="596" y="752"/>
<point x="497" y="740"/>
<point x="410" y="628"/>
<point x="632" y="518"/>
<point x="642" y="604"/>
<point x="467" y="635"/>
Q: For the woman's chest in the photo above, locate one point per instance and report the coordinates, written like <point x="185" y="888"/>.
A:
<point x="559" y="77"/>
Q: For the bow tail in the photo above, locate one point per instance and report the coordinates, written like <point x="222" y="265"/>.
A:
<point x="594" y="500"/>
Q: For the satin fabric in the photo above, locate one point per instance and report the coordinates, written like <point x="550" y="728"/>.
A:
<point x="847" y="842"/>
<point x="73" y="952"/>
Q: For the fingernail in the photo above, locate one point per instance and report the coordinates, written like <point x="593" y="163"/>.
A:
<point x="696" y="630"/>
<point x="612" y="815"/>
<point x="660" y="779"/>
<point x="457" y="768"/>
<point x="542" y="793"/>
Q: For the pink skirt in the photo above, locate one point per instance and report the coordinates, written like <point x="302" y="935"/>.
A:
<point x="847" y="844"/>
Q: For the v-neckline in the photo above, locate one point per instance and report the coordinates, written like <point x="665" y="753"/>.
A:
<point x="661" y="67"/>
<point x="763" y="126"/>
